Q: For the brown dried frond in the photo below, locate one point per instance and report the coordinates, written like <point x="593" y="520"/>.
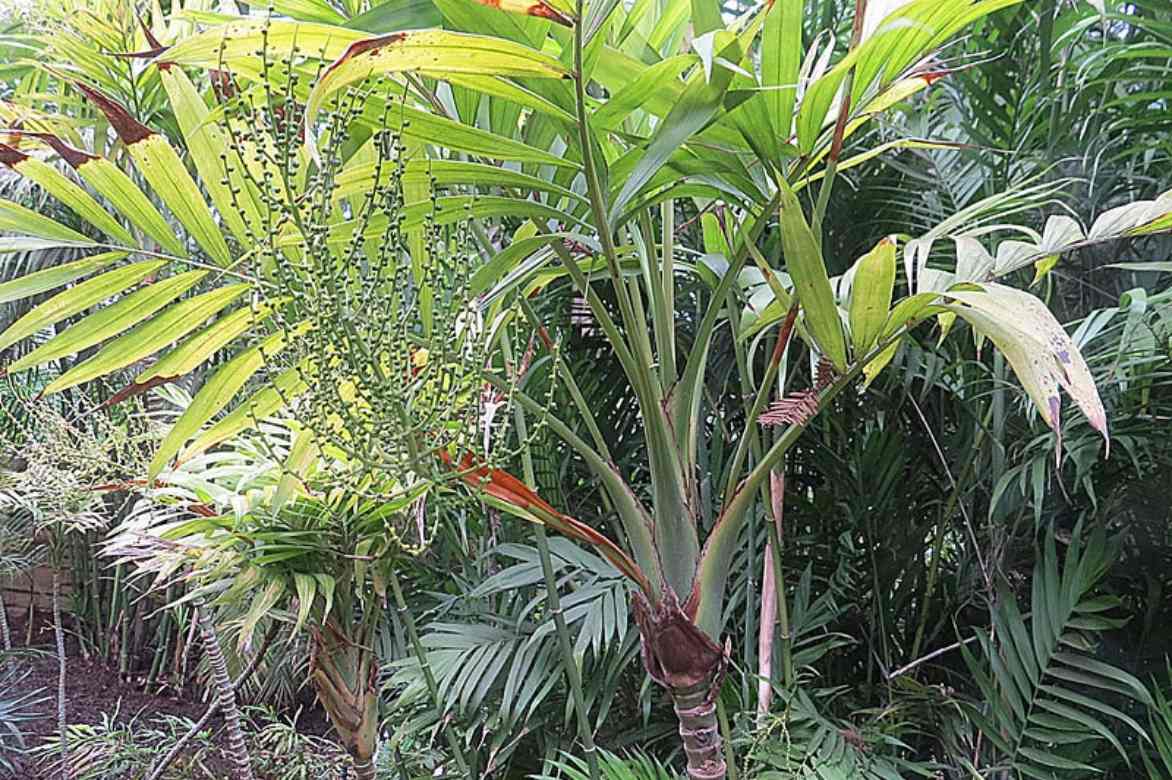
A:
<point x="825" y="375"/>
<point x="800" y="407"/>
<point x="796" y="409"/>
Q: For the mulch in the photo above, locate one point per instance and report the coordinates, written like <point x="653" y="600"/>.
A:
<point x="95" y="693"/>
<point x="93" y="690"/>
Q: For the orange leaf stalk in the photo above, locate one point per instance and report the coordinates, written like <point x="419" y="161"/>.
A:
<point x="504" y="487"/>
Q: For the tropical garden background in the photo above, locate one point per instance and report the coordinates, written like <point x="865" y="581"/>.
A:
<point x="585" y="389"/>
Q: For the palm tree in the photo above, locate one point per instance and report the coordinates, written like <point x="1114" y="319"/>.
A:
<point x="612" y="148"/>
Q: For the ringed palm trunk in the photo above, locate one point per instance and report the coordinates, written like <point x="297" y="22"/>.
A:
<point x="5" y="633"/>
<point x="237" y="748"/>
<point x="691" y="665"/>
<point x="161" y="766"/>
<point x="345" y="676"/>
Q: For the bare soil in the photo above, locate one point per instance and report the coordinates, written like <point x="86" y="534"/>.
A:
<point x="97" y="693"/>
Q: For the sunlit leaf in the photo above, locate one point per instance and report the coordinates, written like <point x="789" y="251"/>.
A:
<point x="871" y="287"/>
<point x="803" y="261"/>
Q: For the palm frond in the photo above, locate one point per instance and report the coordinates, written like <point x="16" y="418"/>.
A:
<point x="613" y="766"/>
<point x="803" y="744"/>
<point x="1157" y="757"/>
<point x="1049" y="702"/>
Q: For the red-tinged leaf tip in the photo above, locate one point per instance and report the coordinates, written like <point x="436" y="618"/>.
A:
<point x="507" y="488"/>
<point x="544" y="11"/>
<point x="10" y="156"/>
<point x="145" y="54"/>
<point x="154" y="52"/>
<point x="506" y="481"/>
<point x="151" y="54"/>
<point x="502" y="485"/>
<point x="540" y="9"/>
<point x="933" y="69"/>
<point x="150" y="35"/>
<point x="129" y="129"/>
<point x="483" y="479"/>
<point x="506" y="496"/>
<point x="75" y="157"/>
<point x="134" y="389"/>
<point x="368" y="46"/>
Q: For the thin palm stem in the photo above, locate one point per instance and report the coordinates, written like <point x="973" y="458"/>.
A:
<point x="593" y="184"/>
<point x="158" y="769"/>
<point x="425" y="667"/>
<point x="844" y="111"/>
<point x="59" y="637"/>
<point x="573" y="673"/>
<point x="567" y="376"/>
<point x="5" y="632"/>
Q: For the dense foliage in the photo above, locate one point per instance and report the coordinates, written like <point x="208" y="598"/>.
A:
<point x="317" y="317"/>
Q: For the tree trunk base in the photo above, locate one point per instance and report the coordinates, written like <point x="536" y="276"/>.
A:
<point x="344" y="673"/>
<point x="690" y="664"/>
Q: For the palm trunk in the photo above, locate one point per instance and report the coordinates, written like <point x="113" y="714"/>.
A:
<point x="177" y="748"/>
<point x="5" y="636"/>
<point x="237" y="748"/>
<point x="344" y="674"/>
<point x="5" y="632"/>
<point x="695" y="708"/>
<point x="364" y="771"/>
<point x="690" y="664"/>
<point x="59" y="636"/>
